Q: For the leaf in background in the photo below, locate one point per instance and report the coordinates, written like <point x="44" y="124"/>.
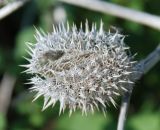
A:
<point x="136" y="4"/>
<point x="145" y="121"/>
<point x="26" y="35"/>
<point x="46" y="21"/>
<point x="152" y="80"/>
<point x="43" y="5"/>
<point x="134" y="27"/>
<point x="79" y="122"/>
<point x="37" y="119"/>
<point x="2" y="122"/>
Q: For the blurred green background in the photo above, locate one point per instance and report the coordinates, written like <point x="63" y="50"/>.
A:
<point x="23" y="114"/>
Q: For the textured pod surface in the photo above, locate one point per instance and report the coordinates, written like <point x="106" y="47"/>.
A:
<point x="80" y="69"/>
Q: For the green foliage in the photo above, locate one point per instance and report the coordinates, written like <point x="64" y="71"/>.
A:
<point x="43" y="5"/>
<point x="146" y="118"/>
<point x="79" y="122"/>
<point x="145" y="121"/>
<point x="26" y="35"/>
<point x="2" y="122"/>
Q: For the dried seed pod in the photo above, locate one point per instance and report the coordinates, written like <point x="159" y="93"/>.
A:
<point x="80" y="69"/>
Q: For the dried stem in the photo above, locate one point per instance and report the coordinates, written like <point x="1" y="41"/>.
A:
<point x="151" y="60"/>
<point x="123" y="111"/>
<point x="144" y="66"/>
<point x="11" y="7"/>
<point x="6" y="88"/>
<point x="118" y="11"/>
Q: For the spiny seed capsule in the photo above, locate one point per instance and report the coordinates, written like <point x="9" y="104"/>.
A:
<point x="80" y="69"/>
